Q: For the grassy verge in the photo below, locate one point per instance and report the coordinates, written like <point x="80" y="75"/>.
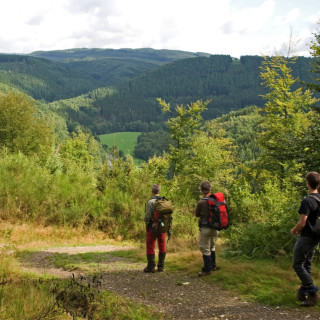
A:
<point x="51" y="298"/>
<point x="66" y="299"/>
<point x="270" y="282"/>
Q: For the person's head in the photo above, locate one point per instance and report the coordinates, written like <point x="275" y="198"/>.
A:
<point x="156" y="188"/>
<point x="313" y="180"/>
<point x="205" y="187"/>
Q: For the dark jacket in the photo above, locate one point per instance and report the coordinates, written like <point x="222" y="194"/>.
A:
<point x="202" y="212"/>
<point x="309" y="207"/>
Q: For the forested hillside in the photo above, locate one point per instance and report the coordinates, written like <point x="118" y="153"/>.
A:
<point x="55" y="75"/>
<point x="138" y="77"/>
<point x="229" y="84"/>
<point x="43" y="79"/>
<point x="109" y="67"/>
<point x="145" y="54"/>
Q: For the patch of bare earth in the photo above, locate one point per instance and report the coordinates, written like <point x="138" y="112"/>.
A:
<point x="175" y="295"/>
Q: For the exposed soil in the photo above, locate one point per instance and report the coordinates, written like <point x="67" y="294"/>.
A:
<point x="175" y="295"/>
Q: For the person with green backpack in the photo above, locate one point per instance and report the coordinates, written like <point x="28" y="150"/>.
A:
<point x="158" y="219"/>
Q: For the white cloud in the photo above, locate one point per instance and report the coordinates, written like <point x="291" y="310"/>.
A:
<point x="214" y="26"/>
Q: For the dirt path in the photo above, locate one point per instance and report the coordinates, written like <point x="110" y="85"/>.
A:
<point x="181" y="296"/>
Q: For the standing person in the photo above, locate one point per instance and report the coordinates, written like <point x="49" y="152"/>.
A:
<point x="151" y="237"/>
<point x="306" y="244"/>
<point x="207" y="236"/>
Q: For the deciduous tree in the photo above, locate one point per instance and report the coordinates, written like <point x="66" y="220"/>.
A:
<point x="286" y="118"/>
<point x="183" y="128"/>
<point x="22" y="129"/>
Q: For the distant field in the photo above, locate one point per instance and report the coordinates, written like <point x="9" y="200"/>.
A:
<point x="124" y="141"/>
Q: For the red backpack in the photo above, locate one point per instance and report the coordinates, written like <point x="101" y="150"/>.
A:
<point x="218" y="211"/>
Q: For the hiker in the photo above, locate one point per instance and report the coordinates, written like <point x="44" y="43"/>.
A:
<point x="306" y="244"/>
<point x="151" y="237"/>
<point x="207" y="236"/>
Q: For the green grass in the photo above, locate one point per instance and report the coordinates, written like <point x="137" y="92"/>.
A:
<point x="55" y="299"/>
<point x="270" y="282"/>
<point x="124" y="141"/>
<point x="73" y="297"/>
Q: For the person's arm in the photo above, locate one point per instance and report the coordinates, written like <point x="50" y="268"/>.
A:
<point x="198" y="211"/>
<point x="300" y="225"/>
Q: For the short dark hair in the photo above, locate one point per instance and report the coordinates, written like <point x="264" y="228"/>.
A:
<point x="156" y="188"/>
<point x="205" y="187"/>
<point x="313" y="179"/>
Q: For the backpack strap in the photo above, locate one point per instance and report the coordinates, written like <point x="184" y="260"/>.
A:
<point x="153" y="197"/>
<point x="314" y="197"/>
<point x="318" y="200"/>
<point x="214" y="199"/>
<point x="145" y="205"/>
<point x="318" y="213"/>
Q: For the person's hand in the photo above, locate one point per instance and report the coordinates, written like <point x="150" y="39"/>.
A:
<point x="294" y="231"/>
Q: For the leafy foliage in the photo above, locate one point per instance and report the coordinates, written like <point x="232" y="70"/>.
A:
<point x="22" y="129"/>
<point x="286" y="118"/>
<point x="182" y="129"/>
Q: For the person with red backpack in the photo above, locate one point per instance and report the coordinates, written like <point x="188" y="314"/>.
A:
<point x="151" y="236"/>
<point x="207" y="236"/>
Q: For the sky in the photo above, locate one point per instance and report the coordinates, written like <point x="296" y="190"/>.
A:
<point x="232" y="27"/>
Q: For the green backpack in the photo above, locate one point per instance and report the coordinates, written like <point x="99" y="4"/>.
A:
<point x="162" y="218"/>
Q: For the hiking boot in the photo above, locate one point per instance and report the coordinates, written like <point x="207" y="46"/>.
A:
<point x="301" y="296"/>
<point x="162" y="256"/>
<point x="151" y="264"/>
<point x="204" y="273"/>
<point x="213" y="259"/>
<point x="311" y="301"/>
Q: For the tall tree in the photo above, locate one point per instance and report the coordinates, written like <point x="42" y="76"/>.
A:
<point x="183" y="128"/>
<point x="286" y="118"/>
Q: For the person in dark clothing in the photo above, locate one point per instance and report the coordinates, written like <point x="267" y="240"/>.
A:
<point x="151" y="238"/>
<point x="207" y="236"/>
<point x="307" y="242"/>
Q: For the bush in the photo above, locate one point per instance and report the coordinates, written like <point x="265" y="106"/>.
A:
<point x="263" y="222"/>
<point x="30" y="192"/>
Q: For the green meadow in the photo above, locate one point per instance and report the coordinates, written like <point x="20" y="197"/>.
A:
<point x="124" y="141"/>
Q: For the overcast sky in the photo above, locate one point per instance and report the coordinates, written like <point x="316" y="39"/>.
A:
<point x="235" y="27"/>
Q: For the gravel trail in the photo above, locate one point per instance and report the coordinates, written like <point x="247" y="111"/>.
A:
<point x="175" y="295"/>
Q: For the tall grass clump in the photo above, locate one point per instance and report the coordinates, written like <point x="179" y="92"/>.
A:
<point x="39" y="303"/>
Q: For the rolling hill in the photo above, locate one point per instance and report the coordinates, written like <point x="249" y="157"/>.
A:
<point x="110" y="90"/>
<point x="56" y="75"/>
